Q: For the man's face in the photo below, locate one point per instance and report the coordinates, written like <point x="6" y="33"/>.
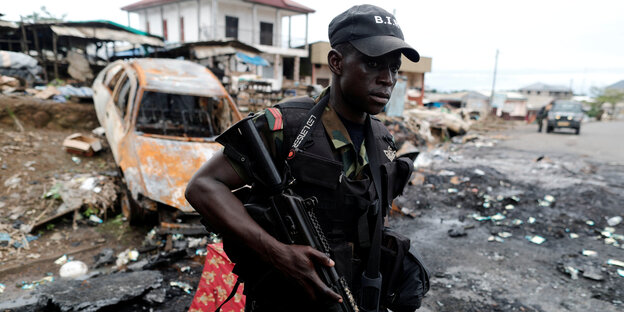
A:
<point x="367" y="82"/>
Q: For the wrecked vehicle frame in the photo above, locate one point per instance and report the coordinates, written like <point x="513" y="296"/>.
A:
<point x="161" y="117"/>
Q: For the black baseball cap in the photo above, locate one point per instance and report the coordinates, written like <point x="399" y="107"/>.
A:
<point x="371" y="30"/>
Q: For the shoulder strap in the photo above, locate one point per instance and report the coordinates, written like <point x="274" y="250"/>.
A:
<point x="308" y="126"/>
<point x="300" y="102"/>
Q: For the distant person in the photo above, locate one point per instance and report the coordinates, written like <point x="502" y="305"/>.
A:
<point x="541" y="115"/>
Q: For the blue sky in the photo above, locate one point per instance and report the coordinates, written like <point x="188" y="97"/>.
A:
<point x="570" y="43"/>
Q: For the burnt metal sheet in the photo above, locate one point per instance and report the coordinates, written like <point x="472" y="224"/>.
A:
<point x="164" y="167"/>
<point x="106" y="34"/>
<point x="180" y="77"/>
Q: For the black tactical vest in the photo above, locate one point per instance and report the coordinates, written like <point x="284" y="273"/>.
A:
<point x="344" y="208"/>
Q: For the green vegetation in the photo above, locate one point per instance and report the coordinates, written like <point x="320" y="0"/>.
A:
<point x="43" y="16"/>
<point x="602" y="96"/>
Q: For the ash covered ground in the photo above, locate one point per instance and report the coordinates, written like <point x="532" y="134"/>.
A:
<point x="474" y="208"/>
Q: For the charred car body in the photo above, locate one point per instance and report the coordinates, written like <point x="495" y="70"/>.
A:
<point x="161" y="117"/>
<point x="565" y="114"/>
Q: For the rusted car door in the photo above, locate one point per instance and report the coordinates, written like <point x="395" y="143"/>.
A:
<point x="119" y="108"/>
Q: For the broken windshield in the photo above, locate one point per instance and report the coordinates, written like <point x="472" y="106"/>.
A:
<point x="182" y="115"/>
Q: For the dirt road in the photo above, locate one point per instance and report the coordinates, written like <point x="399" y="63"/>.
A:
<point x="495" y="267"/>
<point x="598" y="140"/>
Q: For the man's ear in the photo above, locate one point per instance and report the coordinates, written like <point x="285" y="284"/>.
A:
<point x="334" y="60"/>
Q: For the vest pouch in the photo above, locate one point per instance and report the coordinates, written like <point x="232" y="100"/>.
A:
<point x="317" y="170"/>
<point x="394" y="177"/>
<point x="406" y="279"/>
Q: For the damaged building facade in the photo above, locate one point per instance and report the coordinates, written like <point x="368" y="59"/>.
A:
<point x="256" y="23"/>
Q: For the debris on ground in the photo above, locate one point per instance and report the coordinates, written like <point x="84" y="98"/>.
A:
<point x="8" y="84"/>
<point x="73" y="269"/>
<point x="83" y="145"/>
<point x="535" y="239"/>
<point x="69" y="193"/>
<point x="184" y="286"/>
<point x="513" y="205"/>
<point x="457" y="232"/>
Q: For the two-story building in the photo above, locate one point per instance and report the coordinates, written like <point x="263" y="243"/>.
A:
<point x="540" y="94"/>
<point x="257" y="23"/>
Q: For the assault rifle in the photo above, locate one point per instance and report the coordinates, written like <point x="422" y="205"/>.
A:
<point x="296" y="222"/>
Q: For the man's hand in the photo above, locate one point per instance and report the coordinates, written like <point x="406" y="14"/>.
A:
<point x="297" y="262"/>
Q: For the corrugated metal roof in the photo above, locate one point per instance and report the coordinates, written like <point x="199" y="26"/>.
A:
<point x="7" y="24"/>
<point x="282" y="4"/>
<point x="545" y="87"/>
<point x="105" y="34"/>
<point x="115" y="25"/>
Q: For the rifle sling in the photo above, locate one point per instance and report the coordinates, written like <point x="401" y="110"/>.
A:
<point x="371" y="277"/>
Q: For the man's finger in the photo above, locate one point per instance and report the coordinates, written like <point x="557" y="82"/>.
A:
<point x="322" y="258"/>
<point x="324" y="290"/>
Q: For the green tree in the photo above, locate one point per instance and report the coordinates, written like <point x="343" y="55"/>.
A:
<point x="602" y="96"/>
<point x="43" y="17"/>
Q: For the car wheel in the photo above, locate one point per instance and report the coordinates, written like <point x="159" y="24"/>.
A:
<point x="578" y="131"/>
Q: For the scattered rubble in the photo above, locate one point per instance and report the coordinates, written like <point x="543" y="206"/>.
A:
<point x="73" y="269"/>
<point x="516" y="205"/>
<point x="83" y="145"/>
<point x="140" y="279"/>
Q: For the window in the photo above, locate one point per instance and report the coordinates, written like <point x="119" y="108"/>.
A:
<point x="122" y="95"/>
<point x="266" y="33"/>
<point x="183" y="115"/>
<point x="181" y="29"/>
<point x="231" y="27"/>
<point x="165" y="29"/>
<point x="112" y="76"/>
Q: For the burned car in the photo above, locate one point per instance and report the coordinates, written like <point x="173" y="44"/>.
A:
<point x="565" y="114"/>
<point x="161" y="117"/>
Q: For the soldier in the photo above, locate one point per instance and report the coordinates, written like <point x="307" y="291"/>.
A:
<point x="333" y="165"/>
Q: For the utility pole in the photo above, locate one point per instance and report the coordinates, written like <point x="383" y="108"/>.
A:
<point x="493" y="83"/>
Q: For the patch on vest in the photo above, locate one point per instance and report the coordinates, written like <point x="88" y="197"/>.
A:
<point x="390" y="153"/>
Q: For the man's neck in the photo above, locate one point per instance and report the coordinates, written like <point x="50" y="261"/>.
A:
<point x="338" y="103"/>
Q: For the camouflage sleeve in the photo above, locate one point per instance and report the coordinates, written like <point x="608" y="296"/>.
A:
<point x="270" y="126"/>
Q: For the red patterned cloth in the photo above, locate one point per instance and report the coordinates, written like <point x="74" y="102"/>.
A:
<point x="216" y="284"/>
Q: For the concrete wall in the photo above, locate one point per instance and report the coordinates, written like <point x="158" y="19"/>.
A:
<point x="248" y="29"/>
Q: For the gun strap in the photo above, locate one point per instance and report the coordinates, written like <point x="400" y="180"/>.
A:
<point x="371" y="278"/>
<point x="308" y="126"/>
<point x="232" y="293"/>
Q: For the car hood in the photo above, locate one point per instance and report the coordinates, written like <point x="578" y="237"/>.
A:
<point x="166" y="166"/>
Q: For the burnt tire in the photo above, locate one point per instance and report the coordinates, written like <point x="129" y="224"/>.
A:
<point x="130" y="209"/>
<point x="578" y="131"/>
